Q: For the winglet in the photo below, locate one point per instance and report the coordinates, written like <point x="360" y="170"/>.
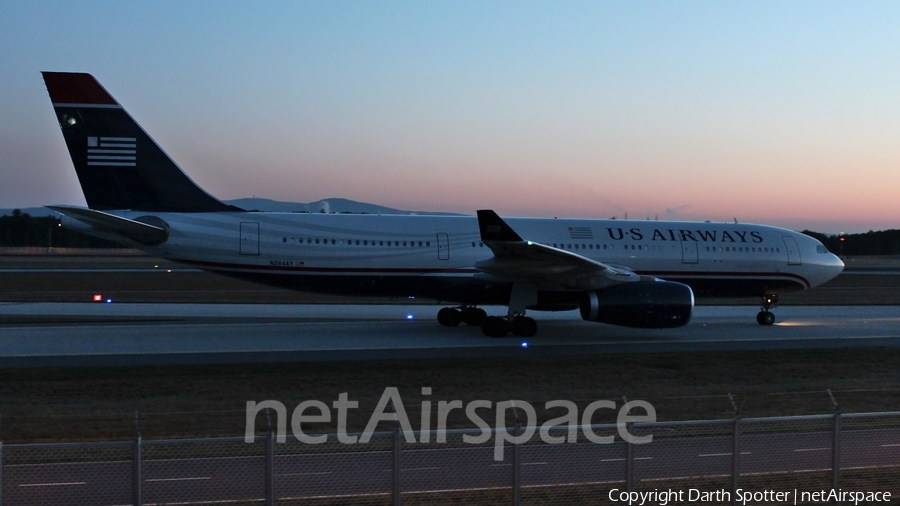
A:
<point x="493" y="228"/>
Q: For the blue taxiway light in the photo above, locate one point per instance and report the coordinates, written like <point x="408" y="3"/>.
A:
<point x="108" y="301"/>
<point x="409" y="317"/>
<point x="524" y="344"/>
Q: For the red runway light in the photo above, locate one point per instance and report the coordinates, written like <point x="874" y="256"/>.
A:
<point x="98" y="298"/>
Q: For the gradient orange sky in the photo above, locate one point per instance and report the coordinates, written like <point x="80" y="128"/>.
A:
<point x="785" y="114"/>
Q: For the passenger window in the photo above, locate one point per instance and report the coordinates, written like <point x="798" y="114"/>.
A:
<point x="317" y="241"/>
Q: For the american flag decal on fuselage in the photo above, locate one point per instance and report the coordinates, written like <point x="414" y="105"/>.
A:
<point x="581" y="233"/>
<point x="112" y="151"/>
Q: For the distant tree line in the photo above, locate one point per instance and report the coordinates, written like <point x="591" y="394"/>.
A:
<point x="24" y="230"/>
<point x="883" y="242"/>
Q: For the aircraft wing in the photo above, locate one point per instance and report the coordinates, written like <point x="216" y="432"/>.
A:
<point x="519" y="260"/>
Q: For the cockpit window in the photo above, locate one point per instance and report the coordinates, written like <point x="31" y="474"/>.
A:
<point x="821" y="249"/>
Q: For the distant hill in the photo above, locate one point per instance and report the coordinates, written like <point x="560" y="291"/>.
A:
<point x="335" y="205"/>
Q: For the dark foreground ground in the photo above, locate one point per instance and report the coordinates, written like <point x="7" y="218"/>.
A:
<point x="182" y="401"/>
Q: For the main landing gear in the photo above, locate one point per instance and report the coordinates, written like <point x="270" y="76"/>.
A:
<point x="493" y="326"/>
<point x="470" y="315"/>
<point x="522" y="295"/>
<point x="765" y="317"/>
<point x="498" y="326"/>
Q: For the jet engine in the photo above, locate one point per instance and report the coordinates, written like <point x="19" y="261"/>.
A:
<point x="641" y="304"/>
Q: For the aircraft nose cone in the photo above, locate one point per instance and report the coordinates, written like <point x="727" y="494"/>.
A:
<point x="829" y="268"/>
<point x="837" y="265"/>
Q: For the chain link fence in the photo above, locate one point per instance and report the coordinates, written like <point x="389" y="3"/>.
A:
<point x="557" y="465"/>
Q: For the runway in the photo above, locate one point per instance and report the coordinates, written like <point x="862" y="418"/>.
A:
<point x="100" y="334"/>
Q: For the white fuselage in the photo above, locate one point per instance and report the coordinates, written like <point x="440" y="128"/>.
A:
<point x="324" y="252"/>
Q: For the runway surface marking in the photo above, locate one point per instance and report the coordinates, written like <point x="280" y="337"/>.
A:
<point x="53" y="484"/>
<point x="180" y="479"/>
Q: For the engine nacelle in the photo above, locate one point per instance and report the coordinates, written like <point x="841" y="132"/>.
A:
<point x="642" y="304"/>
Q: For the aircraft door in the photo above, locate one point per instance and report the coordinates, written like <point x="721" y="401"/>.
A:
<point x="443" y="242"/>
<point x="792" y="250"/>
<point x="689" y="252"/>
<point x="249" y="239"/>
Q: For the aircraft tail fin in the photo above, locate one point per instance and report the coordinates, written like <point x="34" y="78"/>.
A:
<point x="118" y="165"/>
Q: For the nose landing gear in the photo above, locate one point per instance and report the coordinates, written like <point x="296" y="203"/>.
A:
<point x="765" y="317"/>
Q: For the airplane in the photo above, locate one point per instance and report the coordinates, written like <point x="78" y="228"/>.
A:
<point x="641" y="274"/>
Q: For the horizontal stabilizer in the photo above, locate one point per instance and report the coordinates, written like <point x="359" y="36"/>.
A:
<point x="143" y="233"/>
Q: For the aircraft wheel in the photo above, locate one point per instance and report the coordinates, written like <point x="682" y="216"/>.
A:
<point x="449" y="317"/>
<point x="524" y="326"/>
<point x="474" y="316"/>
<point x="765" y="318"/>
<point x="494" y="326"/>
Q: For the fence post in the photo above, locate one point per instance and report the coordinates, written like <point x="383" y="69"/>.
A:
<point x="735" y="453"/>
<point x="398" y="447"/>
<point x="137" y="471"/>
<point x="629" y="455"/>
<point x="270" y="460"/>
<point x="629" y="459"/>
<point x="517" y="464"/>
<point x="1" y="471"/>
<point x="836" y="446"/>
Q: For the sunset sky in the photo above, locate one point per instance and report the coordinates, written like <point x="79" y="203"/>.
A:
<point x="785" y="113"/>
